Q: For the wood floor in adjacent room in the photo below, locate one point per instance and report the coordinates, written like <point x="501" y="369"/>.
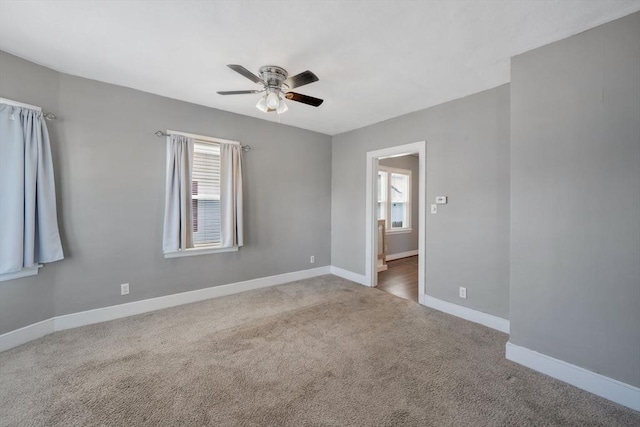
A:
<point x="400" y="278"/>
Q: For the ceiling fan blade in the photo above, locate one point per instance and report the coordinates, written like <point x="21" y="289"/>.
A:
<point x="248" y="74"/>
<point x="301" y="79"/>
<point x="305" y="99"/>
<point x="237" y="92"/>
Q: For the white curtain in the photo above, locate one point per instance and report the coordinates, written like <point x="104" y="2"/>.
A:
<point x="178" y="227"/>
<point x="28" y="220"/>
<point x="231" y="194"/>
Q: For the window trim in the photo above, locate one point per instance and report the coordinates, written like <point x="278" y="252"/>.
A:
<point x="203" y="138"/>
<point x="404" y="230"/>
<point x="399" y="230"/>
<point x="203" y="250"/>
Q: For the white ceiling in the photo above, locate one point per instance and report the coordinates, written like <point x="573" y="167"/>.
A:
<point x="375" y="59"/>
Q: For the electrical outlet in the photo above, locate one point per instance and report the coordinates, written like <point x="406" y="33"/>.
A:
<point x="434" y="208"/>
<point x="124" y="289"/>
<point x="312" y="259"/>
<point x="463" y="292"/>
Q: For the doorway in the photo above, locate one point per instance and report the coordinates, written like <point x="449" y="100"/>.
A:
<point x="396" y="219"/>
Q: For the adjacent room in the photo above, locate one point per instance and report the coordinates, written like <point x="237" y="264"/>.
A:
<point x="324" y="213"/>
<point x="398" y="228"/>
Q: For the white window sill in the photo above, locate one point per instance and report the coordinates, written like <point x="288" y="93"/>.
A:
<point x="400" y="231"/>
<point x="199" y="251"/>
<point x="25" y="272"/>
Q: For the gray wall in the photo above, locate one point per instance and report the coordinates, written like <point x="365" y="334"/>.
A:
<point x="575" y="212"/>
<point x="468" y="161"/>
<point x="110" y="171"/>
<point x="405" y="242"/>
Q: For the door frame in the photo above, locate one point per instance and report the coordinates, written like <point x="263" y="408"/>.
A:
<point x="371" y="219"/>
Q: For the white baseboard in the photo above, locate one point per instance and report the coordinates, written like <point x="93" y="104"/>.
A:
<point x="74" y="320"/>
<point x="349" y="275"/>
<point x="28" y="333"/>
<point x="466" y="313"/>
<point x="606" y="387"/>
<point x="399" y="255"/>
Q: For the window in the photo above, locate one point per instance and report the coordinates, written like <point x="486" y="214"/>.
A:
<point x="205" y="194"/>
<point x="383" y="186"/>
<point x="394" y="198"/>
<point x="207" y="217"/>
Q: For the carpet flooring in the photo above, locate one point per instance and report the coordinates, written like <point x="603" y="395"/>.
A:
<point x="317" y="352"/>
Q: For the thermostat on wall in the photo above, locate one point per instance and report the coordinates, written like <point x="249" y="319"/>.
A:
<point x="441" y="200"/>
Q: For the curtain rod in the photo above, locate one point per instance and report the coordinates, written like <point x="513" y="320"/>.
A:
<point x="160" y="134"/>
<point x="45" y="114"/>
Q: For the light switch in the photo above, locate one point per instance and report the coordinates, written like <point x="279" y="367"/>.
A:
<point x="434" y="209"/>
<point x="441" y="200"/>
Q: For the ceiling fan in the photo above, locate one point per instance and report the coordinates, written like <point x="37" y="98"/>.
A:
<point x="276" y="84"/>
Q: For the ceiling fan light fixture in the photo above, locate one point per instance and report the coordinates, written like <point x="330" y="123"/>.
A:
<point x="262" y="104"/>
<point x="273" y="100"/>
<point x="282" y="107"/>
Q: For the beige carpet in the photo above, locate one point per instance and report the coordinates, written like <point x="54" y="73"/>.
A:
<point x="318" y="352"/>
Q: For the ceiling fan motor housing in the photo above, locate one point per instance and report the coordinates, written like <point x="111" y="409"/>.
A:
<point x="273" y="75"/>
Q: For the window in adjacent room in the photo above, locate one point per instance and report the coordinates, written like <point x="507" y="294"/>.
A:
<point x="394" y="198"/>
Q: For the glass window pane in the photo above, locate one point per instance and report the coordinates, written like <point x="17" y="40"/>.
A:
<point x="382" y="186"/>
<point x="205" y="194"/>
<point x="399" y="187"/>
<point x="399" y="215"/>
<point x="382" y="211"/>
<point x="382" y="194"/>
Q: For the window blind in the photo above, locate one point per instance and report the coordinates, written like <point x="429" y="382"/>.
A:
<point x="205" y="193"/>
